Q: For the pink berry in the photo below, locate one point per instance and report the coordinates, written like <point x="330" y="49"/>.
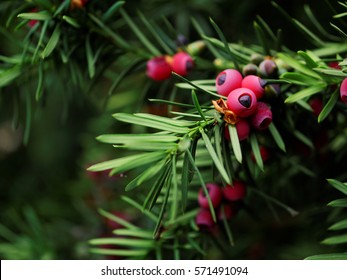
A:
<point x="242" y="101"/>
<point x="255" y="84"/>
<point x="227" y="81"/>
<point x="215" y="194"/>
<point x="243" y="129"/>
<point x="182" y="63"/>
<point x="204" y="220"/>
<point x="158" y="69"/>
<point x="234" y="192"/>
<point x="343" y="91"/>
<point x="262" y="117"/>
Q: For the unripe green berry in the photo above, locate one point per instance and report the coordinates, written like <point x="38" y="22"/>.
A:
<point x="250" y="69"/>
<point x="256" y="58"/>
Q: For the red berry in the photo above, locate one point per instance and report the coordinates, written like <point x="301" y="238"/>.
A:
<point x="158" y="68"/>
<point x="264" y="153"/>
<point x="243" y="129"/>
<point x="182" y="63"/>
<point x="234" y="192"/>
<point x="343" y="91"/>
<point x="204" y="220"/>
<point x="262" y="117"/>
<point x="316" y="105"/>
<point x="242" y="102"/>
<point x="226" y="210"/>
<point x="215" y="194"/>
<point x="334" y="64"/>
<point x="33" y="22"/>
<point x="227" y="81"/>
<point x="255" y="84"/>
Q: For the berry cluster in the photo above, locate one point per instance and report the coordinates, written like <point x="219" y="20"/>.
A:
<point x="159" y="68"/>
<point x="243" y="95"/>
<point x="224" y="201"/>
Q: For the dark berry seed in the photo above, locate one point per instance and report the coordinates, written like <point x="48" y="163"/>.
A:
<point x="245" y="100"/>
<point x="221" y="79"/>
<point x="189" y="65"/>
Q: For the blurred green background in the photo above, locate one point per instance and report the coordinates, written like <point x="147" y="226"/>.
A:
<point x="49" y="202"/>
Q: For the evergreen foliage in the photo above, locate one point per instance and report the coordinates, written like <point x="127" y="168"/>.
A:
<point x="73" y="71"/>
